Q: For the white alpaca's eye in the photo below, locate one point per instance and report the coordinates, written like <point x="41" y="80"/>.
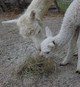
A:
<point x="47" y="52"/>
<point x="53" y="42"/>
<point x="39" y="31"/>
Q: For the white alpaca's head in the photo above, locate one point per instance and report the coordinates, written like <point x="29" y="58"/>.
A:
<point x="29" y="25"/>
<point x="48" y="44"/>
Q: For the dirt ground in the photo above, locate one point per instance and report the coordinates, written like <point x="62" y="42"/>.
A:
<point x="13" y="47"/>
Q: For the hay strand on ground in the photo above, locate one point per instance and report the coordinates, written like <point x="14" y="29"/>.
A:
<point x="37" y="65"/>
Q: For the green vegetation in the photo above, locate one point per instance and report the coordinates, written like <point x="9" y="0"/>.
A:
<point x="63" y="4"/>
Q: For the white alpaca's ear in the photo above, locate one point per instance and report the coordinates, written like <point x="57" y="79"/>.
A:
<point x="48" y="32"/>
<point x="14" y="21"/>
<point x="32" y="14"/>
<point x="52" y="44"/>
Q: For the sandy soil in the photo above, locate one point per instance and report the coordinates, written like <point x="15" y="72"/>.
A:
<point x="13" y="47"/>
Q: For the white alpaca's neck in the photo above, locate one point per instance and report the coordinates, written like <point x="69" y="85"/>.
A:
<point x="70" y="23"/>
<point x="64" y="36"/>
<point x="40" y="6"/>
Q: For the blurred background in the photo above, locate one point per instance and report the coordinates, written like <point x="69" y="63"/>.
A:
<point x="21" y="5"/>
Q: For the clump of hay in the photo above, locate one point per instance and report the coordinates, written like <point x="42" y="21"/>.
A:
<point x="38" y="65"/>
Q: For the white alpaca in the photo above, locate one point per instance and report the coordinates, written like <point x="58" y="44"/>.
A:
<point x="30" y="23"/>
<point x="69" y="32"/>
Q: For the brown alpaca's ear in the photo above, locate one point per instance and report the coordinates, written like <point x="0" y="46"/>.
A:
<point x="32" y="14"/>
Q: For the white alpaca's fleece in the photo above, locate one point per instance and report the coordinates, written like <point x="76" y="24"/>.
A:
<point x="30" y="23"/>
<point x="68" y="33"/>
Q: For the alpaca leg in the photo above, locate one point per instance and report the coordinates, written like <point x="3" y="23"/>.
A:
<point x="72" y="45"/>
<point x="78" y="46"/>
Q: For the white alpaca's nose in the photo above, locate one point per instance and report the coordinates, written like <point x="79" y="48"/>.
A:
<point x="43" y="55"/>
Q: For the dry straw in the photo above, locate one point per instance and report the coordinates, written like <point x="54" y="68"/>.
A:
<point x="37" y="65"/>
